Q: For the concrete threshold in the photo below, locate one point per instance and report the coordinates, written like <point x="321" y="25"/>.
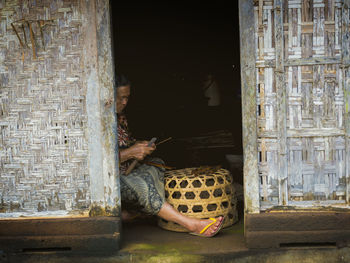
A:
<point x="144" y="241"/>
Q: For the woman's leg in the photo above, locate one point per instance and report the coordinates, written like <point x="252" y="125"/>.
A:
<point x="195" y="225"/>
<point x="144" y="187"/>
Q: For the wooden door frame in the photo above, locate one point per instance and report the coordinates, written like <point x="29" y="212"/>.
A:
<point x="249" y="106"/>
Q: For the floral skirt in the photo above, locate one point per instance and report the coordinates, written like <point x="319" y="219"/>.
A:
<point x="143" y="189"/>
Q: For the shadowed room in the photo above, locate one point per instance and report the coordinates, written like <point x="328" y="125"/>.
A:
<point x="168" y="50"/>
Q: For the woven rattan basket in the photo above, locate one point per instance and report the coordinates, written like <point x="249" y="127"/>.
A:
<point x="201" y="193"/>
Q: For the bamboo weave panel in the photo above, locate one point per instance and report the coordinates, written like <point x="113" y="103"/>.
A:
<point x="43" y="148"/>
<point x="312" y="46"/>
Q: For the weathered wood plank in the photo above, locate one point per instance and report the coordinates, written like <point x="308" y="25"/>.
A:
<point x="281" y="104"/>
<point x="311" y="132"/>
<point x="248" y="86"/>
<point x="301" y="62"/>
<point x="266" y="230"/>
<point x="98" y="243"/>
<point x="307" y="11"/>
<point x="103" y="169"/>
<point x="298" y="221"/>
<point x="346" y="79"/>
<point x="311" y="205"/>
<point x="112" y="198"/>
<point x="59" y="226"/>
<point x="72" y="234"/>
<point x="312" y="61"/>
<point x="277" y="239"/>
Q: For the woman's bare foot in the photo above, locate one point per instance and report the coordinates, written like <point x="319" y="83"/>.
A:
<point x="200" y="224"/>
<point x="193" y="225"/>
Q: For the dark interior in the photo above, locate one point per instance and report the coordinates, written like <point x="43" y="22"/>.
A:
<point x="167" y="49"/>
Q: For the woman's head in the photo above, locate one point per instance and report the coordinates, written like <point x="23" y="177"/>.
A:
<point x="122" y="92"/>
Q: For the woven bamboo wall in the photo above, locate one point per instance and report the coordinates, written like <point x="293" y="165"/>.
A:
<point x="301" y="62"/>
<point x="43" y="145"/>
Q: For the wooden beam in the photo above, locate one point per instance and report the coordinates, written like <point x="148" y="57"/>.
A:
<point x="266" y="230"/>
<point x="305" y="132"/>
<point x="346" y="83"/>
<point x="248" y="86"/>
<point x="102" y="123"/>
<point x="302" y="62"/>
<point x="76" y="234"/>
<point x="281" y="104"/>
<point x="312" y="61"/>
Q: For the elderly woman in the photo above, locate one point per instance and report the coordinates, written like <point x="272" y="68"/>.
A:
<point x="143" y="189"/>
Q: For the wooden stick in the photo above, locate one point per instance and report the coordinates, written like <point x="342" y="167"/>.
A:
<point x="24" y="34"/>
<point x="131" y="167"/>
<point x="32" y="39"/>
<point x="133" y="164"/>
<point x="159" y="165"/>
<point x="164" y="141"/>
<point x="40" y="22"/>
<point x="14" y="29"/>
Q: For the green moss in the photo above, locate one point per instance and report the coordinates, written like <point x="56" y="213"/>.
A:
<point x="170" y="253"/>
<point x="173" y="258"/>
<point x="158" y="248"/>
<point x="168" y="258"/>
<point x="96" y="210"/>
<point x="235" y="229"/>
<point x="135" y="247"/>
<point x="3" y="206"/>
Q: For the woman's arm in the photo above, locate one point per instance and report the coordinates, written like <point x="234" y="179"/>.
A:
<point x="138" y="151"/>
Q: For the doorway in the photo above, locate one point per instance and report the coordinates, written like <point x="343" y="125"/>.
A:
<point x="172" y="52"/>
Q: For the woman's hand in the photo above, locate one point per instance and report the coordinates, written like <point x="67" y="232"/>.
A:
<point x="138" y="151"/>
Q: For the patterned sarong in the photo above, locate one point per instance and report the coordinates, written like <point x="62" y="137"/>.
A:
<point x="143" y="189"/>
